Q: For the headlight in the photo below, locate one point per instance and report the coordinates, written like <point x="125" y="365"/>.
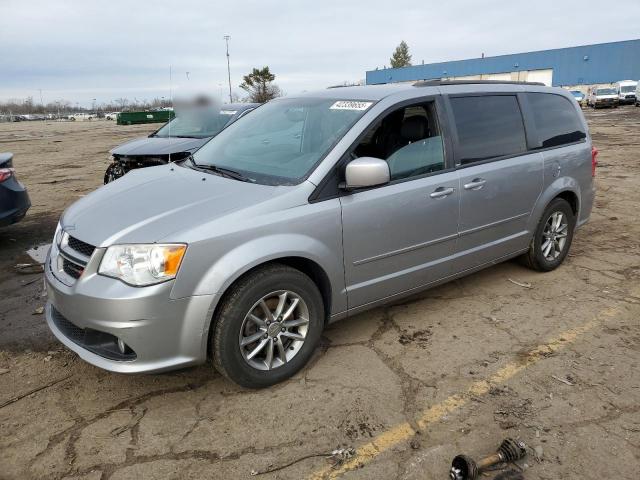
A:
<point x="142" y="265"/>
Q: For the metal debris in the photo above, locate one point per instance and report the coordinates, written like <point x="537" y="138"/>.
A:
<point x="465" y="468"/>
<point x="29" y="268"/>
<point x="38" y="311"/>
<point x="336" y="457"/>
<point x="563" y="380"/>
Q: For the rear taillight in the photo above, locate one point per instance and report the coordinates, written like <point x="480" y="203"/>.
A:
<point x="594" y="160"/>
<point x="5" y="173"/>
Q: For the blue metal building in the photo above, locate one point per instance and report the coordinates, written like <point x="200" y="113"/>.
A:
<point x="584" y="65"/>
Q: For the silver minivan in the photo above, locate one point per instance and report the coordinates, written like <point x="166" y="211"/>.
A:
<point x="310" y="210"/>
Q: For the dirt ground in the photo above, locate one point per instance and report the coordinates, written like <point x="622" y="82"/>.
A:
<point x="454" y="370"/>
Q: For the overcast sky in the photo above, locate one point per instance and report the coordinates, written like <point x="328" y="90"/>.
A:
<point x="84" y="49"/>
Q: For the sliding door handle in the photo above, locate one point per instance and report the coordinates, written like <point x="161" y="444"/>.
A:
<point x="475" y="184"/>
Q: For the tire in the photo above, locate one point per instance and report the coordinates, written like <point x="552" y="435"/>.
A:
<point x="236" y="322"/>
<point x="536" y="258"/>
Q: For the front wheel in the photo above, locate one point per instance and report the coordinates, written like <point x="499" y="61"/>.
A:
<point x="113" y="172"/>
<point x="552" y="238"/>
<point x="268" y="326"/>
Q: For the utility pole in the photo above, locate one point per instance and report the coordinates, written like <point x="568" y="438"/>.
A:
<point x="226" y="38"/>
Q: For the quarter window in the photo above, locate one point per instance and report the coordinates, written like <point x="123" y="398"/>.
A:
<point x="488" y="126"/>
<point x="556" y="120"/>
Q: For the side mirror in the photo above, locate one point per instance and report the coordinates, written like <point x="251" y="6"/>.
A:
<point x="366" y="172"/>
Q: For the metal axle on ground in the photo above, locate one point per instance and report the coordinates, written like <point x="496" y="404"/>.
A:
<point x="465" y="468"/>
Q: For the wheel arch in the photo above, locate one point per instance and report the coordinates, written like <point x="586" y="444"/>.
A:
<point x="566" y="188"/>
<point x="309" y="267"/>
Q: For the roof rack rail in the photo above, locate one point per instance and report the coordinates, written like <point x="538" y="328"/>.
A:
<point x="431" y="83"/>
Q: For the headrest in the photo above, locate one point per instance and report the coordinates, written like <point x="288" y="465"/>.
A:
<point x="414" y="128"/>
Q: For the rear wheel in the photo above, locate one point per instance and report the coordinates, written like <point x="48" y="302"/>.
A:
<point x="267" y="327"/>
<point x="552" y="238"/>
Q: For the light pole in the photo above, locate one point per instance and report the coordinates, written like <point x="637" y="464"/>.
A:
<point x="226" y="38"/>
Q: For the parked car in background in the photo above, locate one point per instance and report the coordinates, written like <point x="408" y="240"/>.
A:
<point x="312" y="209"/>
<point x="14" y="199"/>
<point x="602" y="97"/>
<point x="111" y="116"/>
<point x="578" y="96"/>
<point x="175" y="140"/>
<point x="81" y="116"/>
<point x="626" y="91"/>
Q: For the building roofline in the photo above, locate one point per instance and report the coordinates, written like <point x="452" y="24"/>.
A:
<point x="435" y="83"/>
<point x="509" y="54"/>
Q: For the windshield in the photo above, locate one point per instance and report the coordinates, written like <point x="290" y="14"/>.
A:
<point x="197" y="123"/>
<point x="628" y="88"/>
<point x="577" y="94"/>
<point x="605" y="91"/>
<point x="282" y="141"/>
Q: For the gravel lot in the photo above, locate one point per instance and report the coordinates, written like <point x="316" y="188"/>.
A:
<point x="409" y="386"/>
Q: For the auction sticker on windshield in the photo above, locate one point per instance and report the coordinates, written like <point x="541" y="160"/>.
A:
<point x="350" y="105"/>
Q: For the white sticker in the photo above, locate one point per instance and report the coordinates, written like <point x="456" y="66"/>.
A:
<point x="228" y="112"/>
<point x="350" y="105"/>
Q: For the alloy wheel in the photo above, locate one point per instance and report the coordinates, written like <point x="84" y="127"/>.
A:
<point x="274" y="330"/>
<point x="554" y="236"/>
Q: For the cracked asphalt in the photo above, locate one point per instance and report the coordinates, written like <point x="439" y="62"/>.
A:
<point x="452" y="370"/>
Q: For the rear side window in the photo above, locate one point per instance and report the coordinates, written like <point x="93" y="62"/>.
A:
<point x="488" y="126"/>
<point x="556" y="120"/>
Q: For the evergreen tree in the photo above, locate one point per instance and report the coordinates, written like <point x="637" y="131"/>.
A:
<point x="401" y="57"/>
<point x="259" y="84"/>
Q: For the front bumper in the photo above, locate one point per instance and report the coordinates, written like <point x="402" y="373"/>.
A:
<point x="606" y="103"/>
<point x="14" y="201"/>
<point x="92" y="313"/>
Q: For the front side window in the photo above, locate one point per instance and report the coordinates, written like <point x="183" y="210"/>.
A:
<point x="196" y="123"/>
<point x="488" y="126"/>
<point x="408" y="139"/>
<point x="281" y="142"/>
<point x="556" y="120"/>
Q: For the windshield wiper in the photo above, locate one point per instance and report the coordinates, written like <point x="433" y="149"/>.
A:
<point x="225" y="172"/>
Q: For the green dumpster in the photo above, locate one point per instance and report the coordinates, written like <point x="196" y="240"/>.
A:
<point x="132" y="118"/>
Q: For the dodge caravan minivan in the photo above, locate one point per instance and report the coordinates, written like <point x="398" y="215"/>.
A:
<point x="310" y="210"/>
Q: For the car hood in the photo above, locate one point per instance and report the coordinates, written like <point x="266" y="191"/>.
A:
<point x="606" y="97"/>
<point x="148" y="204"/>
<point x="158" y="146"/>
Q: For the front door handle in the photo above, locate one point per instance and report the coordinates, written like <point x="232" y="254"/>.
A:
<point x="475" y="184"/>
<point x="442" y="192"/>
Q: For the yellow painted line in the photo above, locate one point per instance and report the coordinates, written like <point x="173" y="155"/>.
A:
<point x="402" y="432"/>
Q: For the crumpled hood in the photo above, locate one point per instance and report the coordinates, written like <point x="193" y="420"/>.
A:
<point x="158" y="146"/>
<point x="150" y="203"/>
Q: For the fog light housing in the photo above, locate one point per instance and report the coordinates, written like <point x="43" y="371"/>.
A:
<point x="122" y="346"/>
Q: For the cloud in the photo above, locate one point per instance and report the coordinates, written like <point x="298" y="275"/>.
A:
<point x="81" y="50"/>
